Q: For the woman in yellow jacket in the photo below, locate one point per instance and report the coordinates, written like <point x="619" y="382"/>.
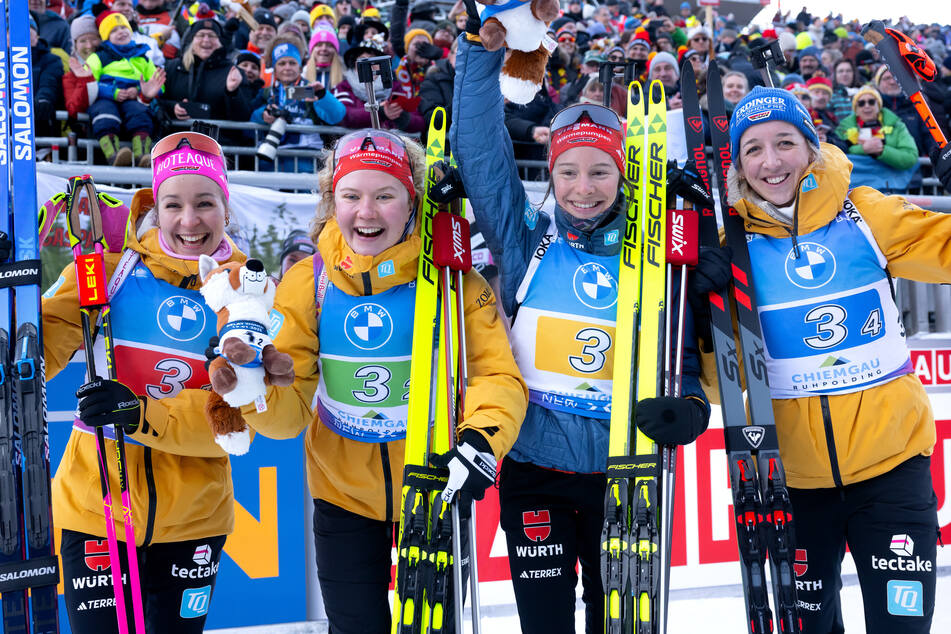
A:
<point x="346" y="318"/>
<point x="179" y="478"/>
<point x="855" y="427"/>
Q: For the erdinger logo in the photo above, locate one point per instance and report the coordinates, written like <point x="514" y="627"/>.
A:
<point x="536" y="525"/>
<point x="906" y="561"/>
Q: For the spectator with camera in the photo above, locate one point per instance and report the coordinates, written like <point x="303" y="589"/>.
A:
<point x="204" y="84"/>
<point x="291" y="99"/>
<point x="397" y="111"/>
<point x="127" y="81"/>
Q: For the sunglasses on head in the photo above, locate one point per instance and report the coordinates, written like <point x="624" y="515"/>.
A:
<point x="378" y="140"/>
<point x="861" y="103"/>
<point x="191" y="140"/>
<point x="596" y="114"/>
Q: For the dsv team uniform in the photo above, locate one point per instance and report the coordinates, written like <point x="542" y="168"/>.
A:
<point x="347" y="321"/>
<point x="855" y="426"/>
<point x="560" y="285"/>
<point x="179" y="478"/>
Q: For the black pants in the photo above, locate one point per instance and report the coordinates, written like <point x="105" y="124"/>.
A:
<point x="890" y="524"/>
<point x="353" y="567"/>
<point x="177" y="581"/>
<point x="551" y="521"/>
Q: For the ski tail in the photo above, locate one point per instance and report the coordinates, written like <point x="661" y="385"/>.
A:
<point x="761" y="500"/>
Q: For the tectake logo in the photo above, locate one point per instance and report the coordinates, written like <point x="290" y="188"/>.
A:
<point x="202" y="555"/>
<point x="902" y="545"/>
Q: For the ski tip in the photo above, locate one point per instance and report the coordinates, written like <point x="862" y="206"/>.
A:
<point x="635" y="93"/>
<point x="657" y="92"/>
<point x="438" y="120"/>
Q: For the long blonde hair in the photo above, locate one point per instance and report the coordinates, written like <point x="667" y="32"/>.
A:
<point x="326" y="205"/>
<point x="336" y="70"/>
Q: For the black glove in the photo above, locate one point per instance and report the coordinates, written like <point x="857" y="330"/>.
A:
<point x="449" y="187"/>
<point x="686" y="182"/>
<point x="712" y="273"/>
<point x="471" y="466"/>
<point x="6" y="247"/>
<point x="429" y="51"/>
<point x="106" y="402"/>
<point x="210" y="354"/>
<point x="941" y="160"/>
<point x="671" y="421"/>
<point x="473" y="21"/>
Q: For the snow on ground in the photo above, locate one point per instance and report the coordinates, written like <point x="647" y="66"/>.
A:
<point x="711" y="610"/>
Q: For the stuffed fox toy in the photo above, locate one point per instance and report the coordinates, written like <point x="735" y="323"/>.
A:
<point x="241" y="295"/>
<point x="522" y="26"/>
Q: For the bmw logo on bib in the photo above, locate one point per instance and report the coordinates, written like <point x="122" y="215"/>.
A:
<point x="368" y="326"/>
<point x="595" y="286"/>
<point x="181" y="318"/>
<point x="814" y="267"/>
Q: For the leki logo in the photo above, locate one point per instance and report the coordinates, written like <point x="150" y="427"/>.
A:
<point x="801" y="565"/>
<point x="696" y="123"/>
<point x="96" y="554"/>
<point x="536" y="525"/>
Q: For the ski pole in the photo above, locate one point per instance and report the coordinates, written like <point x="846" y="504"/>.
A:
<point x="93" y="295"/>
<point x="368" y="69"/>
<point x="907" y="62"/>
<point x="451" y="244"/>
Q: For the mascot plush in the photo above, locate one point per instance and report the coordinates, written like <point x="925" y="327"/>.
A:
<point x="241" y="295"/>
<point x="522" y="26"/>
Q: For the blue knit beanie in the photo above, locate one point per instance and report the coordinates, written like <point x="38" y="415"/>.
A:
<point x="770" y="104"/>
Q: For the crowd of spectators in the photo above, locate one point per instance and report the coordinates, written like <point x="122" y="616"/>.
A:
<point x="136" y="68"/>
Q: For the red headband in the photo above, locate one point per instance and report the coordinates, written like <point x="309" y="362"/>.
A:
<point x="384" y="157"/>
<point x="586" y="133"/>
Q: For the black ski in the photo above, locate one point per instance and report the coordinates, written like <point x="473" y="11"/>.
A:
<point x="761" y="505"/>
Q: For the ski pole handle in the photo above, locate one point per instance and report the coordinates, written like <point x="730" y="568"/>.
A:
<point x="606" y="77"/>
<point x="683" y="237"/>
<point x="907" y="62"/>
<point x="451" y="242"/>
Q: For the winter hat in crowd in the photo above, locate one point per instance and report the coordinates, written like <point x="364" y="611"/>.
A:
<point x="285" y="49"/>
<point x="762" y="105"/>
<point x="284" y="11"/>
<point x="698" y="30"/>
<point x="81" y="26"/>
<point x="641" y="38"/>
<point x="297" y="241"/>
<point x="108" y="20"/>
<point x="820" y="83"/>
<point x="787" y="41"/>
<point x="877" y="77"/>
<point x="597" y="30"/>
<point x="558" y="23"/>
<point x="263" y="17"/>
<point x="803" y="40"/>
<point x="247" y="56"/>
<point x="792" y="78"/>
<point x="666" y="58"/>
<point x="323" y="33"/>
<point x="414" y="33"/>
<point x="867" y="89"/>
<point x="202" y="25"/>
<point x="809" y="51"/>
<point x="372" y="12"/>
<point x="301" y="16"/>
<point x="372" y="45"/>
<point x="320" y="10"/>
<point x="593" y="57"/>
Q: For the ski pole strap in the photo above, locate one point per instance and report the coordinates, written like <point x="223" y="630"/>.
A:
<point x="19" y="273"/>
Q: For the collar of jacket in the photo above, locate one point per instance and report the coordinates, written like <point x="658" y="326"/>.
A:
<point x="600" y="241"/>
<point x="353" y="273"/>
<point x="816" y="207"/>
<point x="169" y="268"/>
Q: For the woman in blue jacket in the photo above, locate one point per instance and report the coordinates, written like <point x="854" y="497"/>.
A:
<point x="558" y="280"/>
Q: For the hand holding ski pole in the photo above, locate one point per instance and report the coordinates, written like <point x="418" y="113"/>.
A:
<point x="940" y="160"/>
<point x="106" y="402"/>
<point x="669" y="420"/>
<point x="472" y="468"/>
<point x="449" y="187"/>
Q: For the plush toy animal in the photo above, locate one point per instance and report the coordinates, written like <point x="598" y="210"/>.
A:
<point x="241" y="295"/>
<point x="522" y="26"/>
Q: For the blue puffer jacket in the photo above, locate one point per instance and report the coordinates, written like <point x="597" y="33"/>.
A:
<point x="513" y="230"/>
